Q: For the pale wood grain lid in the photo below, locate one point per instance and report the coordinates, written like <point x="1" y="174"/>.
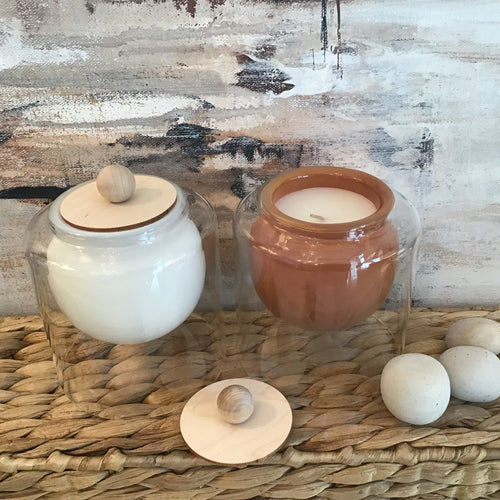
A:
<point x="211" y="437"/>
<point x="85" y="208"/>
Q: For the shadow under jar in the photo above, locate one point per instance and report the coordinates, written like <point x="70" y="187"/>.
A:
<point x="321" y="245"/>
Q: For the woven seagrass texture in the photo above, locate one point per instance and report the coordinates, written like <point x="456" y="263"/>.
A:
<point x="119" y="435"/>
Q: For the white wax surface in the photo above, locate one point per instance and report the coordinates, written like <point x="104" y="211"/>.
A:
<point x="325" y="205"/>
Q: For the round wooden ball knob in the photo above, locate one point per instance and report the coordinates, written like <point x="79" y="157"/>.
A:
<point x="116" y="183"/>
<point x="235" y="404"/>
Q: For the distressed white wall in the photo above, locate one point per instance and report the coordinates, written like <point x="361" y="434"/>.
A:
<point x="222" y="94"/>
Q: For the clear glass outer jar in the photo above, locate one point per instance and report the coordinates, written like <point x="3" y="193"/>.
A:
<point x="119" y="306"/>
<point x="320" y="279"/>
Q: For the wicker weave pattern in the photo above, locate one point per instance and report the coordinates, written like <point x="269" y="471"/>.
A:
<point x="120" y="437"/>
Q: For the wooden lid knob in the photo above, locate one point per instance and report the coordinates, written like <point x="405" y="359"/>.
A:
<point x="115" y="183"/>
<point x="235" y="404"/>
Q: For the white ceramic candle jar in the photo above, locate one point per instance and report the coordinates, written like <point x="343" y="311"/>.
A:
<point x="121" y="273"/>
<point x="323" y="248"/>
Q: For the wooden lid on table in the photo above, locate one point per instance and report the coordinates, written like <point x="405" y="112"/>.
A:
<point x="212" y="437"/>
<point x="87" y="208"/>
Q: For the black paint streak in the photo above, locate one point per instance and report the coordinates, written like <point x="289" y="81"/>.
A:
<point x="10" y="118"/>
<point x="260" y="76"/>
<point x="139" y="141"/>
<point x="265" y="51"/>
<point x="4" y="137"/>
<point x="157" y="163"/>
<point x="246" y="145"/>
<point x="426" y="142"/>
<point x="20" y="109"/>
<point x="188" y="5"/>
<point x="339" y="36"/>
<point x="184" y="134"/>
<point x="244" y="183"/>
<point x="192" y="139"/>
<point x="250" y="148"/>
<point x="426" y="148"/>
<point x="204" y="104"/>
<point x="28" y="192"/>
<point x="324" y="28"/>
<point x="196" y="142"/>
<point x="207" y="105"/>
<point x="382" y="147"/>
<point x="339" y="49"/>
<point x="216" y="3"/>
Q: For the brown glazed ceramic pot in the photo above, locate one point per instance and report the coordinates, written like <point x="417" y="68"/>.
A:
<point x="317" y="276"/>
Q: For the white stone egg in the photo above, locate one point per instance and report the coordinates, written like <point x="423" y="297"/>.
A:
<point x="474" y="373"/>
<point x="481" y="332"/>
<point x="415" y="388"/>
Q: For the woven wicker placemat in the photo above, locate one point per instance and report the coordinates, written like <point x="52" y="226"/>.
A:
<point x="120" y="436"/>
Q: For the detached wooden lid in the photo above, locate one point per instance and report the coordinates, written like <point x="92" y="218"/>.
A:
<point x="212" y="436"/>
<point x="143" y="199"/>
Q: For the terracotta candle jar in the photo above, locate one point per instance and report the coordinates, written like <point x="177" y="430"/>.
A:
<point x="330" y="266"/>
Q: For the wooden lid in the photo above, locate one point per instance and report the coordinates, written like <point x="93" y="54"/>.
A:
<point x="85" y="208"/>
<point x="215" y="439"/>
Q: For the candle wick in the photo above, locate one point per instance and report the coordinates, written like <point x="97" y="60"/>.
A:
<point x="316" y="216"/>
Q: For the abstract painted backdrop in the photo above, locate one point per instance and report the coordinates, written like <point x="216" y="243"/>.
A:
<point x="219" y="95"/>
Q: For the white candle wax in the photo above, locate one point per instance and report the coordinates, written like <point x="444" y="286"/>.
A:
<point x="133" y="291"/>
<point x="325" y="205"/>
